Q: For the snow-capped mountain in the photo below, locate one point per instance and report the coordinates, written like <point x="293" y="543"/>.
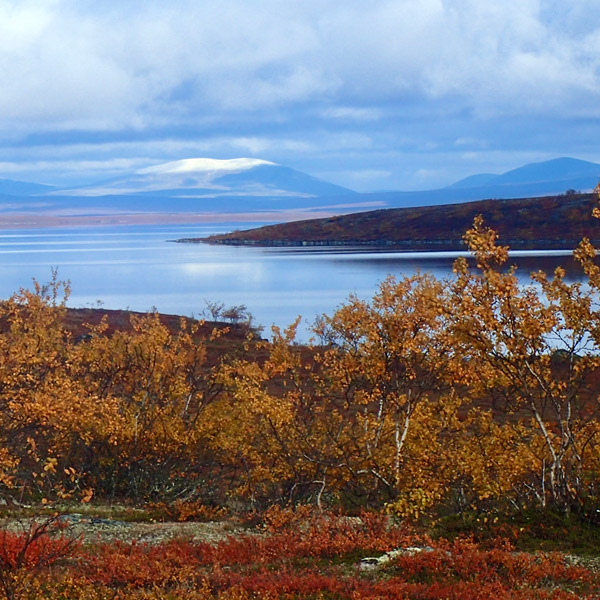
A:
<point x="212" y="178"/>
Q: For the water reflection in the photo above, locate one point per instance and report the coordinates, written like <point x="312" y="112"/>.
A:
<point x="438" y="263"/>
<point x="137" y="268"/>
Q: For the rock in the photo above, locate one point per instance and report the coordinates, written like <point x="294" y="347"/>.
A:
<point x="372" y="562"/>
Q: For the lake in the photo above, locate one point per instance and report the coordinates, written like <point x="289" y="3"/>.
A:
<point x="137" y="268"/>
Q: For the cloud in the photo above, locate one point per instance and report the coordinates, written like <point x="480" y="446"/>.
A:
<point x="351" y="113"/>
<point x="148" y="80"/>
<point x="66" y="65"/>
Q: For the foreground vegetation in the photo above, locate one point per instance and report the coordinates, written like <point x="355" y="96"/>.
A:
<point x="434" y="397"/>
<point x="433" y="402"/>
<point x="297" y="554"/>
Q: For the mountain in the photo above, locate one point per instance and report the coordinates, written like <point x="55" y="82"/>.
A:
<point x="474" y="181"/>
<point x="535" y="179"/>
<point x="10" y="187"/>
<point x="249" y="185"/>
<point x="558" y="170"/>
<point x="554" y="222"/>
<point x="193" y="186"/>
<point x="212" y="178"/>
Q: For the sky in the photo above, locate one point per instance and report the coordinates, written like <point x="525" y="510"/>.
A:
<point x="378" y="95"/>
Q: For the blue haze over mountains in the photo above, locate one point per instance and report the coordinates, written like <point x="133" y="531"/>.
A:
<point x="252" y="185"/>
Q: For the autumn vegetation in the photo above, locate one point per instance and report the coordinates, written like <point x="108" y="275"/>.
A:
<point x="298" y="555"/>
<point x="434" y="400"/>
<point x="538" y="223"/>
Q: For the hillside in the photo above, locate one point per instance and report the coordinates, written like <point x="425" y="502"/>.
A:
<point x="552" y="222"/>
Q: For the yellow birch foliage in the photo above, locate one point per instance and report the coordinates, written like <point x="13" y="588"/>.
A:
<point x="121" y="414"/>
<point x="356" y="418"/>
<point x="529" y="350"/>
<point x="159" y="387"/>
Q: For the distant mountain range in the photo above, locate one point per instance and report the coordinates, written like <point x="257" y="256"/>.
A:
<point x="204" y="185"/>
<point x="535" y="179"/>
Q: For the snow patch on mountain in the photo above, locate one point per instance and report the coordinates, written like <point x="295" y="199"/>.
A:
<point x="192" y="165"/>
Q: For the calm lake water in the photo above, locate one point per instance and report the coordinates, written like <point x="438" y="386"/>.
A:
<point x="137" y="268"/>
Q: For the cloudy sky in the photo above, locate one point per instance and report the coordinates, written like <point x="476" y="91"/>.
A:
<point x="401" y="94"/>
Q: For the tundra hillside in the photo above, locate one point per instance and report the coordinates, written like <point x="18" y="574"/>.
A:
<point x="553" y="222"/>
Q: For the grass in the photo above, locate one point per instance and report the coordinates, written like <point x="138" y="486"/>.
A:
<point x="529" y="530"/>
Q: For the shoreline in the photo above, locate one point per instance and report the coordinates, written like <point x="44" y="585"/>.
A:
<point x="431" y="245"/>
<point x="38" y="221"/>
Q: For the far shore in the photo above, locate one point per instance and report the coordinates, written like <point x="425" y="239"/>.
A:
<point x="30" y="221"/>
